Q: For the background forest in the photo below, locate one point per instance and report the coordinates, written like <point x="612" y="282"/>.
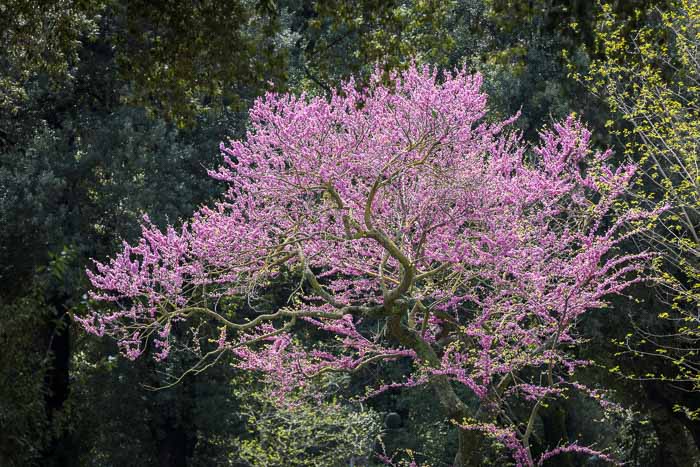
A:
<point x="111" y="109"/>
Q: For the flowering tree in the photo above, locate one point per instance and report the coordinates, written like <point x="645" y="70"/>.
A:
<point x="418" y="230"/>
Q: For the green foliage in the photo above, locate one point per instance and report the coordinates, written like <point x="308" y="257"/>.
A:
<point x="89" y="182"/>
<point x="116" y="419"/>
<point x="40" y="37"/>
<point x="304" y="433"/>
<point x="649" y="77"/>
<point x="518" y="46"/>
<point x="183" y="58"/>
<point x="25" y="428"/>
<point x="337" y="38"/>
<point x="419" y="433"/>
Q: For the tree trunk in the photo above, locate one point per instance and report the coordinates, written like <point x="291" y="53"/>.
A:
<point x="174" y="430"/>
<point x="676" y="445"/>
<point x="693" y="427"/>
<point x="555" y="433"/>
<point x="470" y="450"/>
<point x="57" y="381"/>
<point x="173" y="446"/>
<point x="471" y="442"/>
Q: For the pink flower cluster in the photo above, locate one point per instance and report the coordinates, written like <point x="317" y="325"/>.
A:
<point x="400" y="207"/>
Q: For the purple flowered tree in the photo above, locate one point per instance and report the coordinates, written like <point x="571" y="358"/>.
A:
<point x="418" y="230"/>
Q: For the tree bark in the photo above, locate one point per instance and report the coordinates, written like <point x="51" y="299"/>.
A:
<point x="57" y="381"/>
<point x="677" y="448"/>
<point x="173" y="446"/>
<point x="471" y="442"/>
<point x="555" y="433"/>
<point x="470" y="450"/>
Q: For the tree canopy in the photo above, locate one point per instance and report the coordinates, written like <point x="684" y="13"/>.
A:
<point x="397" y="205"/>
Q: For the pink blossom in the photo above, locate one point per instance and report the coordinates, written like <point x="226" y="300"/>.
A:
<point x="420" y="230"/>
